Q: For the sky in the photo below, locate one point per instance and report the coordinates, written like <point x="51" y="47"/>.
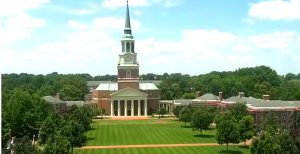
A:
<point x="186" y="36"/>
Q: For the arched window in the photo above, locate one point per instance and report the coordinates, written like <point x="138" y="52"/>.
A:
<point x="128" y="73"/>
<point x="123" y="47"/>
<point x="132" y="47"/>
<point x="127" y="47"/>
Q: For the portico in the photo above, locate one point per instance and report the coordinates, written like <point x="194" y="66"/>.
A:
<point x="129" y="102"/>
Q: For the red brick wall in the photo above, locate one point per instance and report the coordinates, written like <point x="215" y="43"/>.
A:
<point x="122" y="85"/>
<point x="122" y="73"/>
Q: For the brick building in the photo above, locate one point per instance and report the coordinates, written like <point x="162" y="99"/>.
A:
<point x="128" y="96"/>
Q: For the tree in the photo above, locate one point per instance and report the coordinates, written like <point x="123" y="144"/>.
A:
<point x="238" y="110"/>
<point x="48" y="128"/>
<point x="185" y="115"/>
<point x="74" y="132"/>
<point x="266" y="143"/>
<point x="176" y="111"/>
<point x="20" y="114"/>
<point x="246" y="130"/>
<point x="57" y="144"/>
<point x="287" y="144"/>
<point x="24" y="145"/>
<point x="70" y="93"/>
<point x="82" y="115"/>
<point x="227" y="129"/>
<point x="201" y="119"/>
<point x="161" y="111"/>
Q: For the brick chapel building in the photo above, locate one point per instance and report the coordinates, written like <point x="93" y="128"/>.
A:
<point x="128" y="96"/>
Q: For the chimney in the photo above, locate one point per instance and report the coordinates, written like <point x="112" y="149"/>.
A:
<point x="266" y="97"/>
<point x="198" y="93"/>
<point x="221" y="96"/>
<point x="241" y="94"/>
<point x="57" y="95"/>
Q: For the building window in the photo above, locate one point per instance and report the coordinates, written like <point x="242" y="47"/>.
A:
<point x="128" y="73"/>
<point x="127" y="47"/>
<point x="123" y="47"/>
<point x="132" y="47"/>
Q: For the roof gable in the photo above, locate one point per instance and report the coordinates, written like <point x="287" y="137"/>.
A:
<point x="129" y="92"/>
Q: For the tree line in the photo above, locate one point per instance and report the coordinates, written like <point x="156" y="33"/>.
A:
<point x="254" y="81"/>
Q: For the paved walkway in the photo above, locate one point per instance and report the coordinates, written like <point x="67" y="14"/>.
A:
<point x="152" y="146"/>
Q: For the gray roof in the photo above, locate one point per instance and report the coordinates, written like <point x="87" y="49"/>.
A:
<point x="207" y="97"/>
<point x="94" y="83"/>
<point x="183" y="101"/>
<point x="113" y="86"/>
<point x="259" y="103"/>
<point x="77" y="103"/>
<point x="52" y="100"/>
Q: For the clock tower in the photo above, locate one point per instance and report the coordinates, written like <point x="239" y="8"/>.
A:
<point x="128" y="67"/>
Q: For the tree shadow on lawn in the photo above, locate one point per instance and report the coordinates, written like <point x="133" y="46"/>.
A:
<point x="186" y="126"/>
<point x="90" y="138"/>
<point x="231" y="152"/>
<point x="244" y="146"/>
<point x="204" y="136"/>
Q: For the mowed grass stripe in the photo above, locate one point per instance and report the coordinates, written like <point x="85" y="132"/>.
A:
<point x="168" y="150"/>
<point x="149" y="132"/>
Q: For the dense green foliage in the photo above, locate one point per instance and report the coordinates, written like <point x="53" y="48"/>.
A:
<point x="57" y="144"/>
<point x="246" y="128"/>
<point x="176" y="111"/>
<point x="254" y="81"/>
<point x="271" y="140"/>
<point x="185" y="115"/>
<point x="227" y="129"/>
<point x="161" y="112"/>
<point x="201" y="119"/>
<point x="71" y="86"/>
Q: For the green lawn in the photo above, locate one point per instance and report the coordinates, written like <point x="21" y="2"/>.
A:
<point x="169" y="150"/>
<point x="152" y="131"/>
<point x="113" y="132"/>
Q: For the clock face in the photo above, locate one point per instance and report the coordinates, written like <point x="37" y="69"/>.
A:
<point x="128" y="58"/>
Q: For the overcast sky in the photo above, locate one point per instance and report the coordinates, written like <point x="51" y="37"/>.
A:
<point x="186" y="36"/>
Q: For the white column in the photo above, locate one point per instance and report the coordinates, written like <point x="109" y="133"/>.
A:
<point x="139" y="108"/>
<point x="145" y="104"/>
<point x="119" y="108"/>
<point x="125" y="106"/>
<point x="112" y="107"/>
<point x="132" y="108"/>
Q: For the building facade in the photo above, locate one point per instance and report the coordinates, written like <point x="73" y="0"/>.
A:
<point x="128" y="96"/>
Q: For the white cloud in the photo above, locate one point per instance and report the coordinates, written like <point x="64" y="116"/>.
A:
<point x="275" y="40"/>
<point x="138" y="13"/>
<point x="16" y="7"/>
<point x="77" y="25"/>
<point x="204" y="50"/>
<point x="15" y="23"/>
<point x="275" y="10"/>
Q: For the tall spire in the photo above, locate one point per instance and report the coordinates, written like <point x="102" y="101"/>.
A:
<point x="127" y="29"/>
